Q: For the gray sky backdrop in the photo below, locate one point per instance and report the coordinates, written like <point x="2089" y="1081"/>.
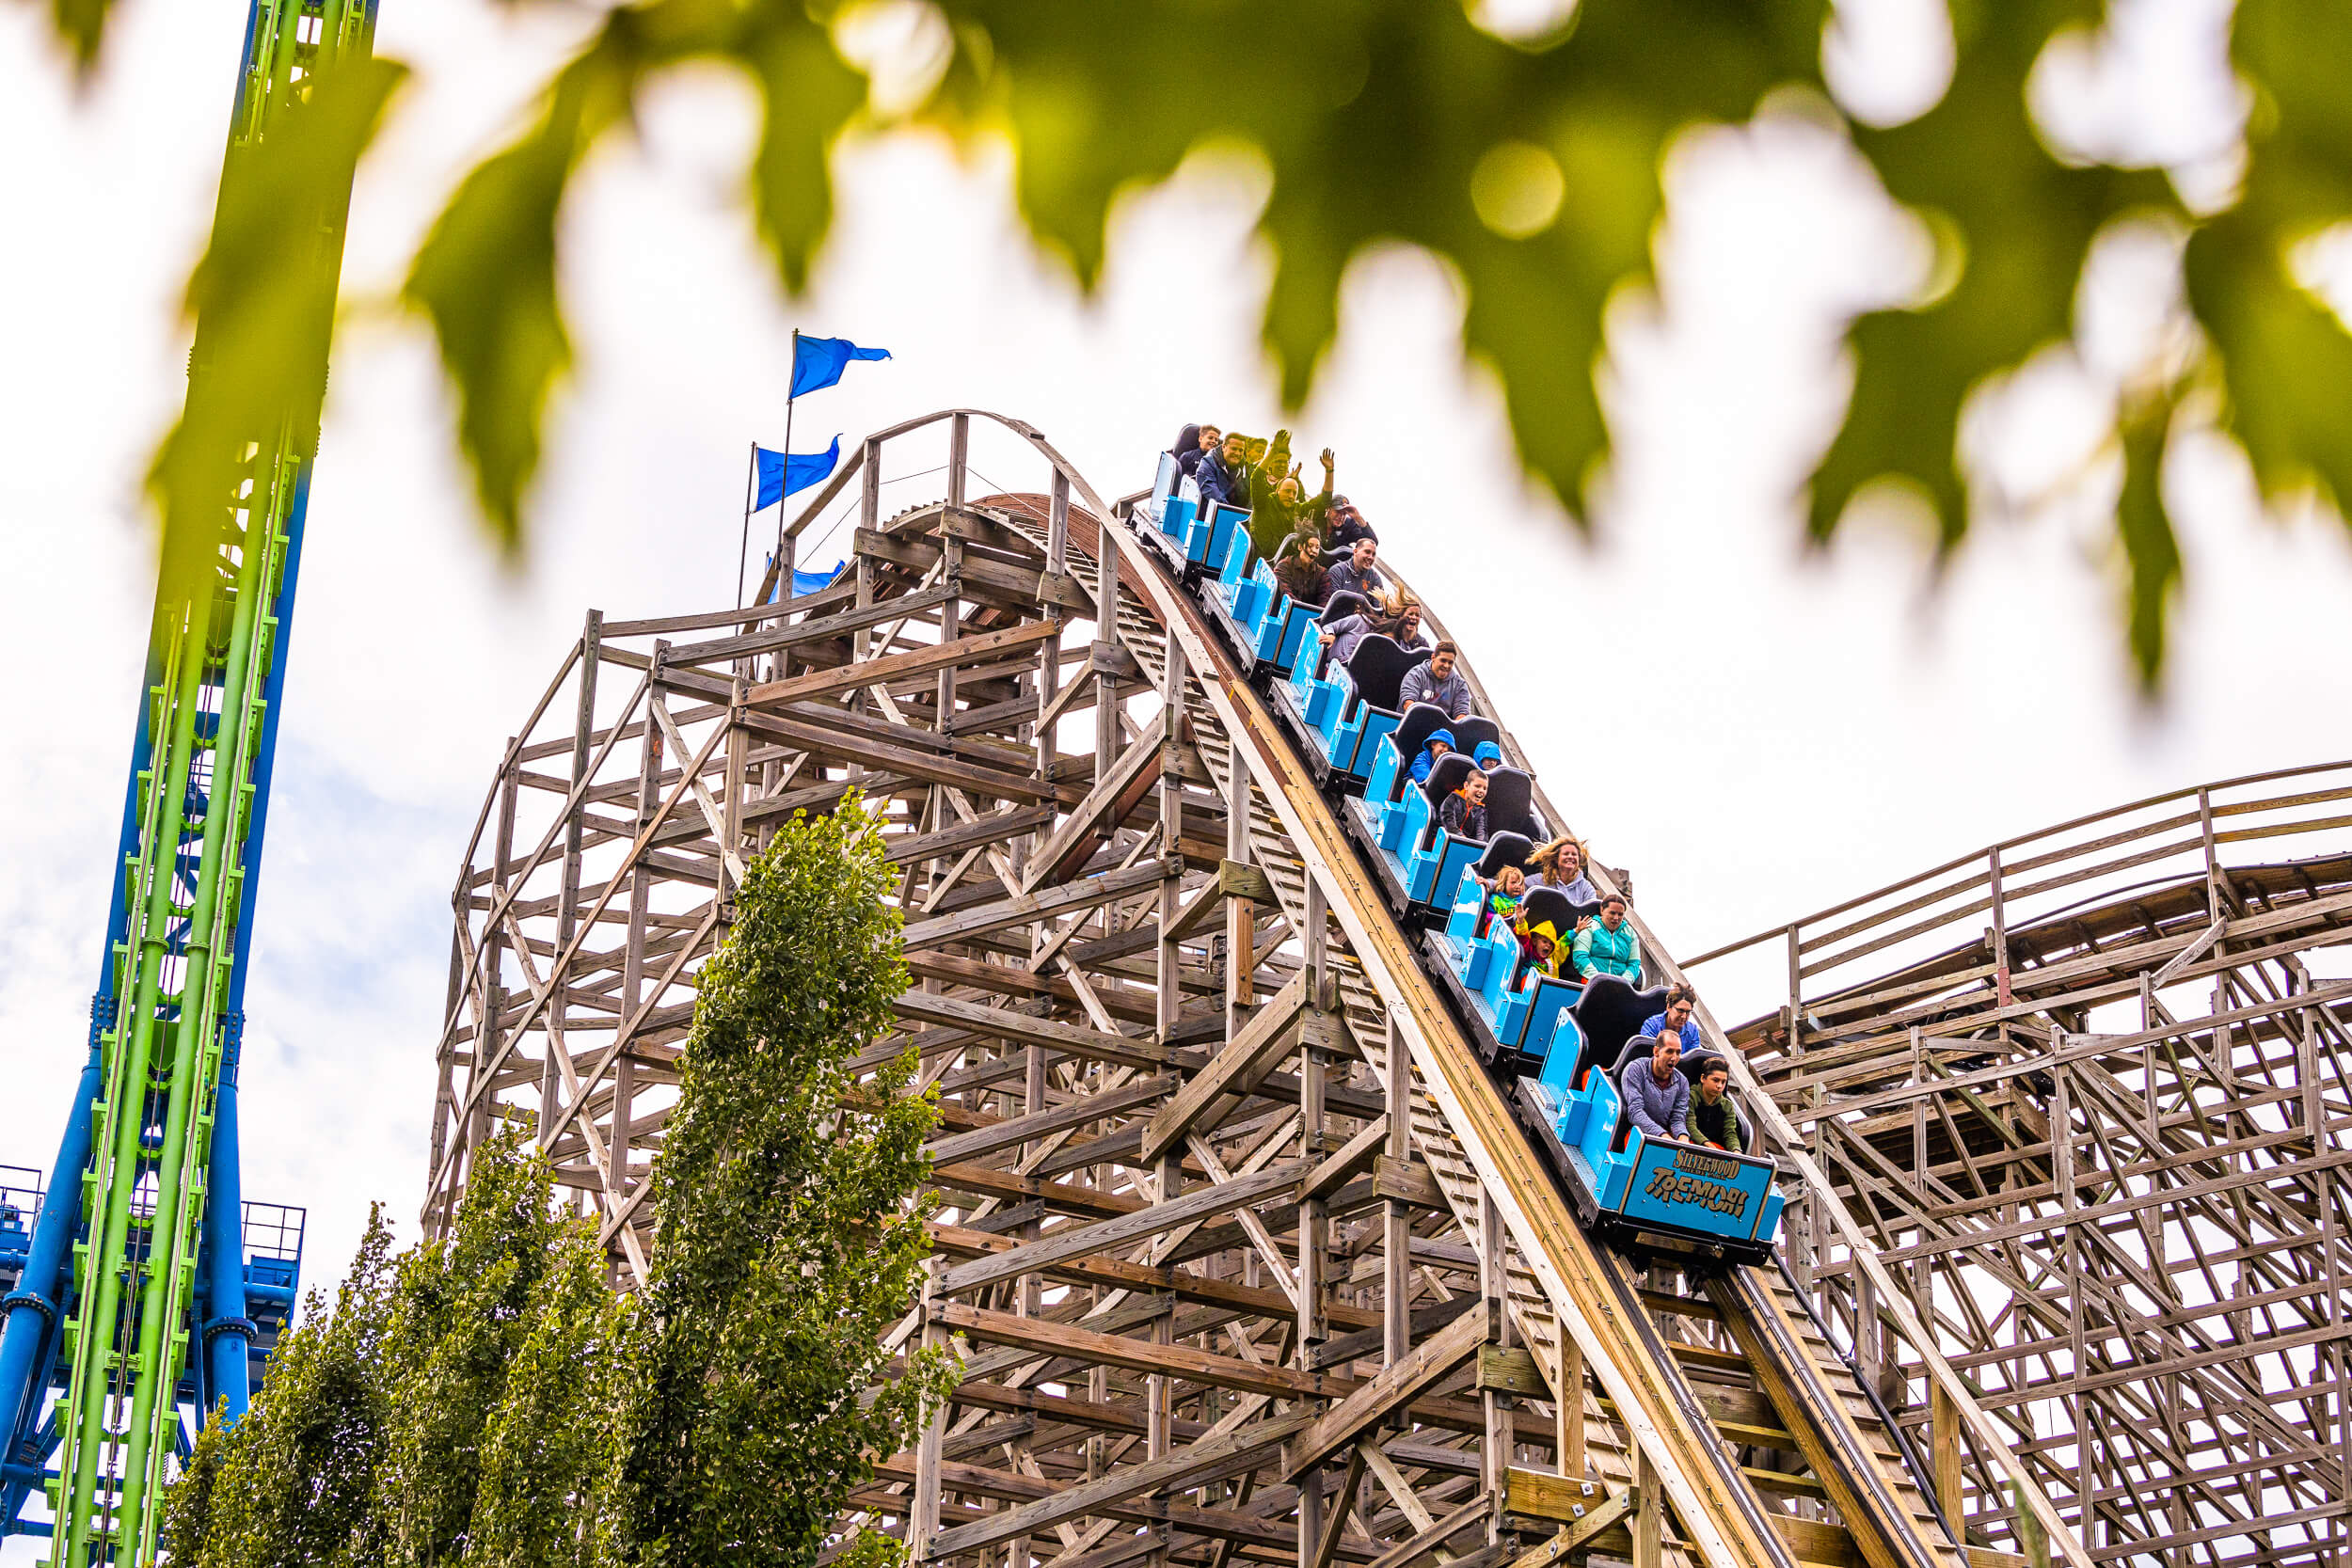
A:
<point x="1755" y="732"/>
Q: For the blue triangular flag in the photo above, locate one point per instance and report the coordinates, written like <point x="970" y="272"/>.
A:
<point x="817" y="362"/>
<point x="781" y="476"/>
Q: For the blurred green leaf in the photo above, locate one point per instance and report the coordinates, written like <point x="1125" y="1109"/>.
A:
<point x="2015" y="226"/>
<point x="80" y="26"/>
<point x="485" y="274"/>
<point x="2152" y="554"/>
<point x="263" y="295"/>
<point x="1532" y="169"/>
<point x="808" y="94"/>
<point x="2286" y="356"/>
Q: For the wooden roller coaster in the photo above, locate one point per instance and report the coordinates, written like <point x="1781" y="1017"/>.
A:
<point x="1247" y="1256"/>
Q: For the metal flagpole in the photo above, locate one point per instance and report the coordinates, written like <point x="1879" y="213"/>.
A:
<point x="742" y="553"/>
<point x="784" y="502"/>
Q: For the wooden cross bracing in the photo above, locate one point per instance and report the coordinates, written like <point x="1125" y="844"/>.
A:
<point x="2085" y="1095"/>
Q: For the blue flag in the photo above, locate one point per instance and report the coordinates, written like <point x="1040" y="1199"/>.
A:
<point x="817" y="362"/>
<point x="781" y="476"/>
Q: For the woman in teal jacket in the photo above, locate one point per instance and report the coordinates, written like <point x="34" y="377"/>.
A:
<point x="1608" y="945"/>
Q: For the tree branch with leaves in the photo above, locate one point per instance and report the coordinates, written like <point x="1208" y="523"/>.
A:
<point x="1532" y="166"/>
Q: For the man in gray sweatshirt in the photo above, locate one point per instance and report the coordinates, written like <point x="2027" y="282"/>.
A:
<point x="1657" y="1095"/>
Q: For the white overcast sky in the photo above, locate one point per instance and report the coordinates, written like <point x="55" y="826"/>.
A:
<point x="1757" y="733"/>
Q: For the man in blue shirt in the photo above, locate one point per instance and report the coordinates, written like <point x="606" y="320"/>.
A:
<point x="1675" y="1019"/>
<point x="1657" y="1096"/>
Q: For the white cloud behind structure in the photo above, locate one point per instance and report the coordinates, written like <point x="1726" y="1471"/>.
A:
<point x="1755" y="731"/>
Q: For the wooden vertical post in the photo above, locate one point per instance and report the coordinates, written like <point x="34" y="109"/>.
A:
<point x="1649" y="1512"/>
<point x="1241" y="914"/>
<point x="1172" y="839"/>
<point x="1494" y="1284"/>
<point x="1944" y="1432"/>
<point x="1396" y="1219"/>
<point x="1106" y="638"/>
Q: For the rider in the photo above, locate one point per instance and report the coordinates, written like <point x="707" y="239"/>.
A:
<point x="1658" y="1097"/>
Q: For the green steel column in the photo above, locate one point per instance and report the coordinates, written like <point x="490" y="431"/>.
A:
<point x="128" y="1334"/>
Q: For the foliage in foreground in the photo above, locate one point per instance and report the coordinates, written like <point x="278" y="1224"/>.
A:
<point x="1532" y="166"/>
<point x="484" y="1400"/>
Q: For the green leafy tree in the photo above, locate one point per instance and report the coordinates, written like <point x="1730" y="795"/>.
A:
<point x="477" y="1317"/>
<point x="484" y="1398"/>
<point x="293" y="1482"/>
<point x="787" y="1237"/>
<point x="1532" y="166"/>
<point x="453" y="1408"/>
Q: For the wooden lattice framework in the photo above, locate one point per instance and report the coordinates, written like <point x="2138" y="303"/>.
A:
<point x="1247" y="1255"/>
<point x="2085" y="1090"/>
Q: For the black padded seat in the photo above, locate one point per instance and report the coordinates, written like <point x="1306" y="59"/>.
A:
<point x="1378" y="667"/>
<point x="1502" y="850"/>
<point x="1445" y="779"/>
<point x="1412" y="732"/>
<point x="1610" y="1013"/>
<point x="1474" y="729"/>
<point x="1511" y="803"/>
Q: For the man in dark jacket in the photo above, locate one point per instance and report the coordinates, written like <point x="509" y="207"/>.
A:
<point x="1356" y="574"/>
<point x="1348" y="525"/>
<point x="1224" y="474"/>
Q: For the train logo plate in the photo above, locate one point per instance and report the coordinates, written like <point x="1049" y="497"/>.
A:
<point x="1698" y="1190"/>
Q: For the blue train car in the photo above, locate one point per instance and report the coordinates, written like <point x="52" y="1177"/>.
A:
<point x="1624" y="1184"/>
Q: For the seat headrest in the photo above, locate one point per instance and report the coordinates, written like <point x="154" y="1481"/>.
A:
<point x="1474" y="730"/>
<point x="1413" y="731"/>
<point x="1379" y="666"/>
<point x="1505" y="849"/>
<point x="1610" y="1011"/>
<point x="1544" y="903"/>
<point x="1446" y="777"/>
<point x="1344" y="603"/>
<point x="1510" y="801"/>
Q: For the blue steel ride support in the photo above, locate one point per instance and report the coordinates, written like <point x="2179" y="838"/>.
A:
<point x="143" y="1276"/>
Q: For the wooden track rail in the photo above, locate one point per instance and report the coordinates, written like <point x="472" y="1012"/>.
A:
<point x="1245" y="1257"/>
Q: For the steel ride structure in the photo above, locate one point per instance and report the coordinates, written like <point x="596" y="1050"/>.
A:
<point x="1250" y="1259"/>
<point x="143" y="1288"/>
<point x="2085" y="1092"/>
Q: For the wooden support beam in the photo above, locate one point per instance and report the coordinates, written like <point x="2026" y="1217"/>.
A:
<point x="1003" y="1023"/>
<point x="1135" y="1355"/>
<point x="1196" y="1463"/>
<point x="1397" y="1385"/>
<point x="1083" y="894"/>
<point x="1076" y="1112"/>
<point x="920" y="661"/>
<point x="1269" y="1036"/>
<point x="1115" y="793"/>
<point x="1347" y="1161"/>
<point x="1076" y="1240"/>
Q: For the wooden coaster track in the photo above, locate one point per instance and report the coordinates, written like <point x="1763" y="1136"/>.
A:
<point x="1247" y="1255"/>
